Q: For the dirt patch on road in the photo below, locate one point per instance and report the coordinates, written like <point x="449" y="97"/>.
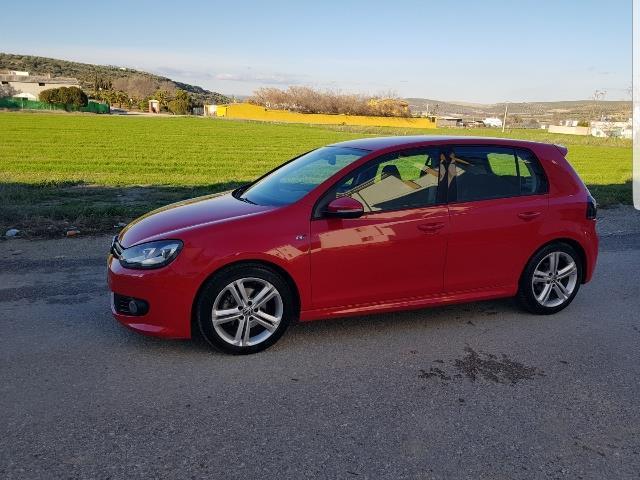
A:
<point x="434" y="372"/>
<point x="487" y="366"/>
<point x="484" y="366"/>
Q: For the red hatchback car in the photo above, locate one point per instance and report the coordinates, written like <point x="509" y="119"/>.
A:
<point x="358" y="227"/>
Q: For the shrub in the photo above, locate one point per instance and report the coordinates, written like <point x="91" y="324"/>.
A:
<point x="66" y="95"/>
<point x="75" y="96"/>
<point x="50" y="96"/>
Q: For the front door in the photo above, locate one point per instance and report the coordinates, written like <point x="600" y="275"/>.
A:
<point x="396" y="250"/>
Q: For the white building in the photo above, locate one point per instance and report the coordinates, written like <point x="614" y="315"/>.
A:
<point x="209" y="110"/>
<point x="22" y="85"/>
<point x="492" y="122"/>
<point x="612" y="129"/>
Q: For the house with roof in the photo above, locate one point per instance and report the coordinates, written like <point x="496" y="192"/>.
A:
<point x="23" y="85"/>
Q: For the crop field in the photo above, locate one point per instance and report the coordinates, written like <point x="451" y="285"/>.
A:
<point x="94" y="171"/>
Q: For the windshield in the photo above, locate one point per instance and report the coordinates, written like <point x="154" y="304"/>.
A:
<point x="295" y="179"/>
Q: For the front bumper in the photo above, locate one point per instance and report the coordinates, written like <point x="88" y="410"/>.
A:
<point x="169" y="297"/>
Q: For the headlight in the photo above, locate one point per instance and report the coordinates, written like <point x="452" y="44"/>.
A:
<point x="150" y="255"/>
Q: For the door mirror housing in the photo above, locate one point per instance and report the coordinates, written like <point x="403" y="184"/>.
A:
<point x="344" y="207"/>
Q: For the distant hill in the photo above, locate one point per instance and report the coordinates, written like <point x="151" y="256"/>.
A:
<point x="128" y="79"/>
<point x="542" y="111"/>
<point x="86" y="74"/>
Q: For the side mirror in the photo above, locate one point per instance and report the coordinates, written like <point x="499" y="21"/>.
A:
<point x="344" y="207"/>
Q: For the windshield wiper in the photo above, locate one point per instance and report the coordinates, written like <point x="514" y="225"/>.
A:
<point x="238" y="192"/>
<point x="245" y="199"/>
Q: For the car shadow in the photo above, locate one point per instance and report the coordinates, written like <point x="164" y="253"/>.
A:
<point x="409" y="319"/>
<point x="375" y="327"/>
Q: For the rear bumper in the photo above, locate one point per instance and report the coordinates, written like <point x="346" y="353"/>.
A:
<point x="591" y="246"/>
<point x="169" y="300"/>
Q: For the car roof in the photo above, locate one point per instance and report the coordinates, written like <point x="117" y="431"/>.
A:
<point x="382" y="143"/>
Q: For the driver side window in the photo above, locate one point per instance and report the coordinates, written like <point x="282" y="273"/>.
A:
<point x="407" y="179"/>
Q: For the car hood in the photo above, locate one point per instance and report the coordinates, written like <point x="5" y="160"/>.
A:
<point x="188" y="213"/>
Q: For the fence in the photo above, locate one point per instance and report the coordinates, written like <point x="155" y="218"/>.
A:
<point x="254" y="112"/>
<point x="24" y="104"/>
<point x="569" y="130"/>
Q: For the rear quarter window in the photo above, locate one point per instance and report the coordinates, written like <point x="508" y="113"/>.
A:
<point x="487" y="172"/>
<point x="532" y="178"/>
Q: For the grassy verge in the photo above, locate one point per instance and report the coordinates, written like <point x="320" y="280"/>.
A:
<point x="93" y="172"/>
<point x="51" y="209"/>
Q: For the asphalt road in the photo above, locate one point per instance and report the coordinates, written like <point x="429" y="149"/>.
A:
<point x="474" y="391"/>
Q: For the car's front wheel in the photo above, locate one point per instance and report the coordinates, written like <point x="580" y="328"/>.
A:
<point x="244" y="309"/>
<point x="551" y="279"/>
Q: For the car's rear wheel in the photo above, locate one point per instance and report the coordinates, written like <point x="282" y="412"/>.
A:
<point x="244" y="309"/>
<point x="551" y="279"/>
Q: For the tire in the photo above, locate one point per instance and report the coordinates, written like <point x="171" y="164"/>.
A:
<point x="223" y="311"/>
<point x="549" y="283"/>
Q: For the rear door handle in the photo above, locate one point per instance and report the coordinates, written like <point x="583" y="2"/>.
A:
<point x="431" y="227"/>
<point x="526" y="216"/>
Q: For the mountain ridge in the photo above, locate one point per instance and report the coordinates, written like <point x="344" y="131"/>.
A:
<point x="550" y="110"/>
<point x="86" y="74"/>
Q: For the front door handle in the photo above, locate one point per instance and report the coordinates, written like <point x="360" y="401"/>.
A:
<point x="526" y="216"/>
<point x="431" y="227"/>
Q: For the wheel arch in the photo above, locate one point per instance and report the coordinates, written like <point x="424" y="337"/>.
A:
<point x="248" y="262"/>
<point x="569" y="241"/>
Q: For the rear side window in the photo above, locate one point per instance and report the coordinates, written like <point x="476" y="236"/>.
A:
<point x="488" y="172"/>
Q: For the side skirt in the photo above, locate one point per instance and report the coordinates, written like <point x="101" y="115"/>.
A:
<point x="408" y="303"/>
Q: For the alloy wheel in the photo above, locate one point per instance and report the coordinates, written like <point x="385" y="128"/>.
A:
<point x="247" y="311"/>
<point x="554" y="279"/>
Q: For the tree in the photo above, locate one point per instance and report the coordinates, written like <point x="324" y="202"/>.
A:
<point x="181" y="103"/>
<point x="309" y="100"/>
<point x="533" y="123"/>
<point x="137" y="86"/>
<point x="7" y="91"/>
<point x="100" y="83"/>
<point x="143" y="104"/>
<point x="108" y="96"/>
<point x="162" y="96"/>
<point x="121" y="98"/>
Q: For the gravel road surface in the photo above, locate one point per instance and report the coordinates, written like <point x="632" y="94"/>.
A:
<point x="472" y="391"/>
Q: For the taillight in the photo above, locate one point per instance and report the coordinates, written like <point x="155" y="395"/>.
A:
<point x="592" y="208"/>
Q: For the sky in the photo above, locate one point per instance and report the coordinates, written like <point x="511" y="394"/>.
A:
<point x="482" y="51"/>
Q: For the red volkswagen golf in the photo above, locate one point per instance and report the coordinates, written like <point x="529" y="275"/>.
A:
<point x="359" y="227"/>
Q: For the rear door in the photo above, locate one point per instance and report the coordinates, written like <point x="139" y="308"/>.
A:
<point x="498" y="203"/>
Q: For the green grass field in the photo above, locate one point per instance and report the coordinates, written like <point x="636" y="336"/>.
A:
<point x="92" y="171"/>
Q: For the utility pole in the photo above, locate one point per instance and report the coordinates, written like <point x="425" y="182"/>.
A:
<point x="504" y="119"/>
<point x="597" y="95"/>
